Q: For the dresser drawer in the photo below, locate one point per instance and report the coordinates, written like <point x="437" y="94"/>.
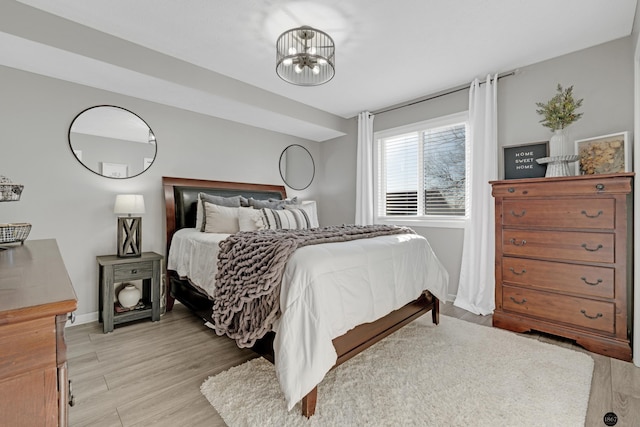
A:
<point x="576" y="311"/>
<point x="133" y="271"/>
<point x="559" y="245"/>
<point x="560" y="213"/>
<point x="27" y="346"/>
<point x="589" y="185"/>
<point x="556" y="276"/>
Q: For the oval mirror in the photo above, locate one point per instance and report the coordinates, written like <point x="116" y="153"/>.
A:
<point x="112" y="141"/>
<point x="296" y="167"/>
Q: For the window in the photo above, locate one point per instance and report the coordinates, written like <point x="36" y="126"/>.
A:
<point x="421" y="171"/>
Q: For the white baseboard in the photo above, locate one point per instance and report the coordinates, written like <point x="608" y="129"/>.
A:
<point x="81" y="319"/>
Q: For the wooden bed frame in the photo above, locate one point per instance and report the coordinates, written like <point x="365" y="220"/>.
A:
<point x="180" y="196"/>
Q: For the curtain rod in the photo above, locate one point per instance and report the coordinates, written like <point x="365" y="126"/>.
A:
<point x="440" y="94"/>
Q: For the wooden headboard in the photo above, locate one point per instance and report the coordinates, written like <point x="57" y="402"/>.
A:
<point x="181" y="196"/>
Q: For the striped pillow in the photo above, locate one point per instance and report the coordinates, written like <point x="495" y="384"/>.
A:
<point x="281" y="219"/>
<point x="309" y="206"/>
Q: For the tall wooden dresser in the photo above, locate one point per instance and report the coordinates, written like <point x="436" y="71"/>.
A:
<point x="563" y="259"/>
<point x="35" y="297"/>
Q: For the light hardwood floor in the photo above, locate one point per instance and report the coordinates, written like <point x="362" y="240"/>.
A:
<point x="149" y="374"/>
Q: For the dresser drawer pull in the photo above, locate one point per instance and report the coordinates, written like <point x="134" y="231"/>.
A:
<point x="597" y="282"/>
<point x="590" y="317"/>
<point x="518" y="302"/>
<point x="511" y="190"/>
<point x="72" y="399"/>
<point x="518" y="216"/>
<point x="516" y="273"/>
<point x="584" y="245"/>
<point x="599" y="187"/>
<point x="134" y="271"/>
<point x="591" y="216"/>
<point x="515" y="243"/>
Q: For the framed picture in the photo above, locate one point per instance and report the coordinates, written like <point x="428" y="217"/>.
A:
<point x="114" y="170"/>
<point x="520" y="160"/>
<point x="604" y="154"/>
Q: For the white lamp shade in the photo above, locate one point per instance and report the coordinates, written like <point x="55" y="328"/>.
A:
<point x="127" y="204"/>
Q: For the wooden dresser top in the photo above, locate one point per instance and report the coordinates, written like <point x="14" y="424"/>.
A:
<point x="34" y="282"/>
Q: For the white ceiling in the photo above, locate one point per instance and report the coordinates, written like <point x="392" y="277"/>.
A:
<point x="387" y="52"/>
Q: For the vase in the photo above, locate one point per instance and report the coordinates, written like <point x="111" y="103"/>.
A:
<point x="129" y="296"/>
<point x="558" y="144"/>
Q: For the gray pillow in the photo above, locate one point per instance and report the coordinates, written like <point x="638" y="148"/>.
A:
<point x="229" y="202"/>
<point x="291" y="201"/>
<point x="266" y="204"/>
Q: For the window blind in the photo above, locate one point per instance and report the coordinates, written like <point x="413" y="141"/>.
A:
<point x="422" y="173"/>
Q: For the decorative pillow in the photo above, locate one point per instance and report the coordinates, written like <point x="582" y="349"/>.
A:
<point x="250" y="219"/>
<point x="285" y="219"/>
<point x="220" y="219"/>
<point x="266" y="204"/>
<point x="310" y="207"/>
<point x="231" y="202"/>
<point x="291" y="201"/>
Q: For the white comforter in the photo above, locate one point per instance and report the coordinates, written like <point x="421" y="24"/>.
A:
<point x="327" y="290"/>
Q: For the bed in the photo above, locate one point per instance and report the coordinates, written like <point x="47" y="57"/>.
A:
<point x="181" y="197"/>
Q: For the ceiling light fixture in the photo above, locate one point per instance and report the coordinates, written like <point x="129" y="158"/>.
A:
<point x="305" y="56"/>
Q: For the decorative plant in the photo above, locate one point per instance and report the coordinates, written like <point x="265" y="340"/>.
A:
<point x="560" y="111"/>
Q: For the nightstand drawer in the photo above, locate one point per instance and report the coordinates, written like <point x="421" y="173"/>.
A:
<point x="133" y="271"/>
<point x="572" y="278"/>
<point x="560" y="213"/>
<point x="559" y="245"/>
<point x="581" y="312"/>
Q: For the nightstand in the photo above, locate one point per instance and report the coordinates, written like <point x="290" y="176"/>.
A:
<point x="113" y="270"/>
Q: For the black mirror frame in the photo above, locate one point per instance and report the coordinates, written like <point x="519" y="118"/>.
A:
<point x="313" y="163"/>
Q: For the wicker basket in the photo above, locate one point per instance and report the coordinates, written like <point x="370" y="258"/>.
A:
<point x="9" y="192"/>
<point x="18" y="232"/>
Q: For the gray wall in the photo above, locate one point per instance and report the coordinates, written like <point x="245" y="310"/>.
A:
<point x="602" y="75"/>
<point x="65" y="201"/>
<point x="636" y="66"/>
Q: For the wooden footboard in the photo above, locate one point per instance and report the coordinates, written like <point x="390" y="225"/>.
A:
<point x="364" y="336"/>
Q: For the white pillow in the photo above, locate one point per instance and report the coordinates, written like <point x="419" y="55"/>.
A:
<point x="231" y="202"/>
<point x="311" y="208"/>
<point x="221" y="219"/>
<point x="250" y="219"/>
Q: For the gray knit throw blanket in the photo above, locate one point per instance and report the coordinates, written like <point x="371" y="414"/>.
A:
<point x="250" y="269"/>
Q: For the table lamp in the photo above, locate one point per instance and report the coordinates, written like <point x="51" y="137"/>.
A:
<point x="129" y="227"/>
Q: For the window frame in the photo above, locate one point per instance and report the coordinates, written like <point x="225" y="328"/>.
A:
<point x="439" y="221"/>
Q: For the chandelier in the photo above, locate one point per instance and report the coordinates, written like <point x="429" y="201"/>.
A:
<point x="305" y="56"/>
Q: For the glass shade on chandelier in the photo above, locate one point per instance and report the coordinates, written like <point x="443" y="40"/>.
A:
<point x="305" y="56"/>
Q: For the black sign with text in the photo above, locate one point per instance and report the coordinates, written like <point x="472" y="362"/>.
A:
<point x="520" y="160"/>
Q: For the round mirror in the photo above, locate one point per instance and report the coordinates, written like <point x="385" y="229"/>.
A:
<point x="112" y="141"/>
<point x="296" y="167"/>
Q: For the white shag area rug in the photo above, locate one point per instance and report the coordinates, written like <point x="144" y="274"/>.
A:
<point x="454" y="374"/>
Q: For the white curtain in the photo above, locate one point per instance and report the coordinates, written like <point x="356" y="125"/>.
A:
<point x="364" y="170"/>
<point x="476" y="288"/>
